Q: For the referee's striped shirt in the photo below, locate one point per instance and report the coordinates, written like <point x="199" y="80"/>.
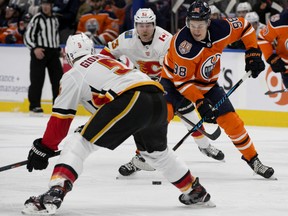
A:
<point x="42" y="31"/>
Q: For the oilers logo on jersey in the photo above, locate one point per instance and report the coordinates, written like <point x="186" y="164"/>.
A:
<point x="208" y="65"/>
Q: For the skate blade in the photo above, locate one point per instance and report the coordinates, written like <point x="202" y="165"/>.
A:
<point x="208" y="204"/>
<point x="33" y="114"/>
<point x="142" y="165"/>
<point x="272" y="178"/>
<point x="31" y="209"/>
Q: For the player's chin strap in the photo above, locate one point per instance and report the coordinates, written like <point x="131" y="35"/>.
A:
<point x="217" y="105"/>
<point x="21" y="163"/>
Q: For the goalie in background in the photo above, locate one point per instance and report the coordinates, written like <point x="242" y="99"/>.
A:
<point x="130" y="104"/>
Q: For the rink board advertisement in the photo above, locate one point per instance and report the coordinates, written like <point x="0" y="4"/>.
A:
<point x="14" y="81"/>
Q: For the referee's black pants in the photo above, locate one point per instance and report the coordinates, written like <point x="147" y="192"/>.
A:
<point x="52" y="62"/>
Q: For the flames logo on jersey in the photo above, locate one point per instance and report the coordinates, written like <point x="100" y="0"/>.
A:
<point x="208" y="65"/>
<point x="151" y="68"/>
<point x="274" y="82"/>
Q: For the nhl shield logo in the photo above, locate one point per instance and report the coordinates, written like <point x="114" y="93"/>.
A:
<point x="185" y="47"/>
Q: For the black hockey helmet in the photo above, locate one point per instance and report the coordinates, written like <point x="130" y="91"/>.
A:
<point x="198" y="10"/>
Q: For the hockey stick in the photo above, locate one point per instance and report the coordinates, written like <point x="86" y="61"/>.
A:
<point x="21" y="163"/>
<point x="217" y="105"/>
<point x="212" y="136"/>
<point x="277" y="91"/>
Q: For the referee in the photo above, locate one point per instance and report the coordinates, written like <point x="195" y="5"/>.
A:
<point x="42" y="38"/>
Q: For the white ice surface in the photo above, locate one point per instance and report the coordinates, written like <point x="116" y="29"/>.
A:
<point x="232" y="185"/>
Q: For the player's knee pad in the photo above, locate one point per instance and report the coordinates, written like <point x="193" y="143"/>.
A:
<point x="167" y="163"/>
<point x="76" y="150"/>
<point x="231" y="123"/>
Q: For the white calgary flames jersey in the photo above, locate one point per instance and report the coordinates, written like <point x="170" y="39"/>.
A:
<point x="148" y="58"/>
<point x="93" y="81"/>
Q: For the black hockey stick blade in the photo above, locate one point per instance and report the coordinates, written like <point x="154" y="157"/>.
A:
<point x="277" y="91"/>
<point x="217" y="105"/>
<point x="212" y="136"/>
<point x="21" y="163"/>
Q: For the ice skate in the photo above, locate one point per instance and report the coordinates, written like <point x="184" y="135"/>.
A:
<point x="47" y="203"/>
<point x="129" y="168"/>
<point x="36" y="112"/>
<point x="213" y="152"/>
<point x="260" y="169"/>
<point x="197" y="197"/>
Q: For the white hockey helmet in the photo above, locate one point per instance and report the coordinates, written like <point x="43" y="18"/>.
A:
<point x="145" y="15"/>
<point x="214" y="9"/>
<point x="243" y="6"/>
<point x="252" y="17"/>
<point x="78" y="45"/>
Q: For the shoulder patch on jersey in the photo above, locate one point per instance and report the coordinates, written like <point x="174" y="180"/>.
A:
<point x="163" y="36"/>
<point x="185" y="45"/>
<point x="128" y="34"/>
<point x="279" y="20"/>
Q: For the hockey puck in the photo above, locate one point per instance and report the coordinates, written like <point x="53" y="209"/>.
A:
<point x="156" y="182"/>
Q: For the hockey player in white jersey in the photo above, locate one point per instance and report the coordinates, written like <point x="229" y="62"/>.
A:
<point x="130" y="103"/>
<point x="146" y="46"/>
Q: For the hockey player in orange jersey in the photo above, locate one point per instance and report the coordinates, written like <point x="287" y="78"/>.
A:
<point x="276" y="29"/>
<point x="192" y="64"/>
<point x="100" y="25"/>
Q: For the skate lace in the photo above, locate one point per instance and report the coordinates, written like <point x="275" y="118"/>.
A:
<point x="130" y="166"/>
<point x="211" y="150"/>
<point x="259" y="167"/>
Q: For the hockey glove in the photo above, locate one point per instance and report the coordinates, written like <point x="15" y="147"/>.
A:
<point x="38" y="156"/>
<point x="254" y="62"/>
<point x="276" y="63"/>
<point x="206" y="110"/>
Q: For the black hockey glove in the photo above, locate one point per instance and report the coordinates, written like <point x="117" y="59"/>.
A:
<point x="206" y="110"/>
<point x="276" y="63"/>
<point x="254" y="62"/>
<point x="38" y="156"/>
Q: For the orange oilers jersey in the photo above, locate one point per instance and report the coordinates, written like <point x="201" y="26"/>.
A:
<point x="193" y="66"/>
<point x="11" y="30"/>
<point x="275" y="33"/>
<point x="103" y="24"/>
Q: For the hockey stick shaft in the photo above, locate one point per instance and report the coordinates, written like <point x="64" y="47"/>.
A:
<point x="21" y="163"/>
<point x="277" y="91"/>
<point x="217" y="105"/>
<point x="212" y="136"/>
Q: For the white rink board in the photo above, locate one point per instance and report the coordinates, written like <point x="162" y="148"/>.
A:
<point x="14" y="81"/>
